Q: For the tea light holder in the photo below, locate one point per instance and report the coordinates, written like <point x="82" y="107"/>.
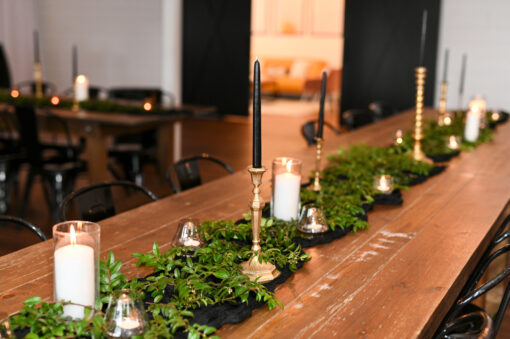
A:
<point x="495" y="116"/>
<point x="453" y="142"/>
<point x="15" y="93"/>
<point x="286" y="179"/>
<point x="383" y="184"/>
<point x="417" y="153"/>
<point x="263" y="271"/>
<point x="312" y="220"/>
<point x="76" y="265"/>
<point x="399" y="137"/>
<point x="446" y="120"/>
<point x="188" y="234"/>
<point x="125" y="317"/>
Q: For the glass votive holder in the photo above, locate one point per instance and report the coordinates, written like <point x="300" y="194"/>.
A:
<point x="125" y="317"/>
<point x="312" y="219"/>
<point x="286" y="179"/>
<point x="188" y="234"/>
<point x="478" y="105"/>
<point x="383" y="184"/>
<point x="453" y="142"/>
<point x="5" y="329"/>
<point x="495" y="116"/>
<point x="76" y="265"/>
<point x="399" y="137"/>
<point x="446" y="119"/>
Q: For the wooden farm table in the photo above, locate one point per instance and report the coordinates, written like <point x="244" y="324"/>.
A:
<point x="395" y="280"/>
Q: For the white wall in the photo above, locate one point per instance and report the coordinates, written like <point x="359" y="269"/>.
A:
<point x="481" y="29"/>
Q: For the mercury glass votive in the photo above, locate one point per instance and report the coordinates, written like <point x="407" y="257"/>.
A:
<point x="453" y="142"/>
<point x="188" y="234"/>
<point x="399" y="137"/>
<point x="125" y="317"/>
<point x="312" y="219"/>
<point x="76" y="265"/>
<point x="286" y="179"/>
<point x="383" y="183"/>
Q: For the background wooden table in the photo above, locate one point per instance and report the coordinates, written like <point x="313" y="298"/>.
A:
<point x="396" y="279"/>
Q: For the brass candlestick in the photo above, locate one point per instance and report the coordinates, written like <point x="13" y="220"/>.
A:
<point x="316" y="186"/>
<point x="417" y="153"/>
<point x="254" y="269"/>
<point x="442" y="103"/>
<point x="38" y="80"/>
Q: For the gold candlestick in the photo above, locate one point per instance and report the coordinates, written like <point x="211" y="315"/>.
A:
<point x="254" y="269"/>
<point x="417" y="153"/>
<point x="442" y="103"/>
<point x="316" y="186"/>
<point x="38" y="80"/>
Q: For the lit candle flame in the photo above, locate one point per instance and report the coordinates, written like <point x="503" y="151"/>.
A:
<point x="81" y="79"/>
<point x="453" y="144"/>
<point x="55" y="100"/>
<point x="14" y="93"/>
<point x="447" y="121"/>
<point x="289" y="166"/>
<point x="495" y="116"/>
<point x="147" y="106"/>
<point x="73" y="235"/>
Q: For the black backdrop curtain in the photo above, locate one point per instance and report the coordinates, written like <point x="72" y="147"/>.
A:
<point x="5" y="78"/>
<point x="382" y="42"/>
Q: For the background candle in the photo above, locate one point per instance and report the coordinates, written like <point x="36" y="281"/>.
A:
<point x="81" y="88"/>
<point x="257" y="144"/>
<point x="320" y="126"/>
<point x="423" y="37"/>
<point x="75" y="62"/>
<point x="75" y="276"/>
<point x="445" y="69"/>
<point x="36" y="47"/>
<point x="286" y="188"/>
<point x="463" y="74"/>
<point x="472" y="128"/>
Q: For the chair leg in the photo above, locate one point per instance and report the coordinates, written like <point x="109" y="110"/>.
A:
<point x="26" y="193"/>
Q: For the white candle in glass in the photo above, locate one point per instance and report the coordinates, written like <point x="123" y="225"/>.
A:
<point x="81" y="88"/>
<point x="75" y="276"/>
<point x="472" y="128"/>
<point x="453" y="144"/>
<point x="191" y="243"/>
<point x="129" y="324"/>
<point x="383" y="185"/>
<point x="286" y="194"/>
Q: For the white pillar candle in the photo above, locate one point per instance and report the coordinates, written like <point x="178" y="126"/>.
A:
<point x="286" y="194"/>
<point x="81" y="88"/>
<point x="75" y="276"/>
<point x="472" y="128"/>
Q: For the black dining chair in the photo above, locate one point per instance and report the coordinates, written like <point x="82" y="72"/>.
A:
<point x="18" y="233"/>
<point x="58" y="171"/>
<point x="29" y="87"/>
<point x="103" y="200"/>
<point x="309" y="131"/>
<point x="5" y="74"/>
<point x="356" y="118"/>
<point x="382" y="109"/>
<point x="187" y="171"/>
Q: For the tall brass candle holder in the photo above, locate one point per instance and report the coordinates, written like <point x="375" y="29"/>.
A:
<point x="38" y="80"/>
<point x="316" y="186"/>
<point x="442" y="103"/>
<point x="254" y="269"/>
<point x="417" y="153"/>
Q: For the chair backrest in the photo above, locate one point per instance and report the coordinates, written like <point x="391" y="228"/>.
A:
<point x="15" y="235"/>
<point x="48" y="88"/>
<point x="187" y="172"/>
<point x="103" y="200"/>
<point x="382" y="109"/>
<point x="140" y="94"/>
<point x="5" y="75"/>
<point x="28" y="133"/>
<point x="355" y="118"/>
<point x="309" y="131"/>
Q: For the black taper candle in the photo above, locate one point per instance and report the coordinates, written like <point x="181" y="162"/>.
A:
<point x="36" y="47"/>
<point x="320" y="126"/>
<point x="75" y="62"/>
<point x="445" y="69"/>
<point x="463" y="73"/>
<point x="257" y="144"/>
<point x="423" y="37"/>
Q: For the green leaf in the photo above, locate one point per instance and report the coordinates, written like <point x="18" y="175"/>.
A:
<point x="222" y="274"/>
<point x="32" y="301"/>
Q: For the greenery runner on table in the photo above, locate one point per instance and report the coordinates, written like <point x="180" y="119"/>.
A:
<point x="181" y="284"/>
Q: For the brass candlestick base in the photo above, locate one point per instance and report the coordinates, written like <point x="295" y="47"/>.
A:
<point x="442" y="104"/>
<point x="417" y="153"/>
<point x="316" y="186"/>
<point x="254" y="269"/>
<point x="38" y="80"/>
<point x="76" y="106"/>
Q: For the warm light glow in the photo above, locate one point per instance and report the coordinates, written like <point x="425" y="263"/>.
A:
<point x="81" y="79"/>
<point x="452" y="142"/>
<point x="447" y="121"/>
<point x="14" y="93"/>
<point x="147" y="106"/>
<point x="495" y="116"/>
<point x="55" y="100"/>
<point x="73" y="235"/>
<point x="289" y="166"/>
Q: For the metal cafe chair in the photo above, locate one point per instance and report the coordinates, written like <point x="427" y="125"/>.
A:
<point x="48" y="88"/>
<point x="309" y="131"/>
<point x="15" y="235"/>
<point x="382" y="109"/>
<point x="187" y="171"/>
<point x="356" y="118"/>
<point x="103" y="200"/>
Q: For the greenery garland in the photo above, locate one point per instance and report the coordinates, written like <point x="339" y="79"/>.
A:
<point x="183" y="281"/>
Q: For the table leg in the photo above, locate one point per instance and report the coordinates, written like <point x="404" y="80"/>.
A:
<point x="165" y="148"/>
